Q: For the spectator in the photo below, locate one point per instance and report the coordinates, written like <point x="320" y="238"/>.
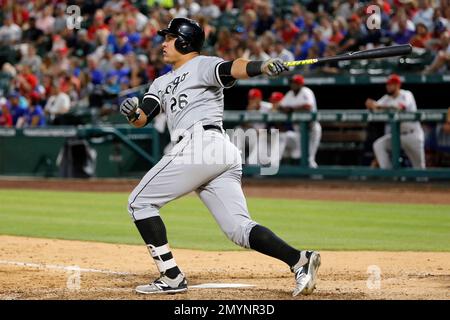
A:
<point x="422" y="36"/>
<point x="404" y="33"/>
<point x="347" y="8"/>
<point x="281" y="52"/>
<point x="45" y="20"/>
<point x="10" y="32"/>
<point x="33" y="33"/>
<point x="209" y="10"/>
<point x="255" y="51"/>
<point x="442" y="59"/>
<point x="265" y="19"/>
<point x="6" y="119"/>
<point x="32" y="60"/>
<point x="17" y="112"/>
<point x="26" y="81"/>
<point x="425" y="14"/>
<point x="34" y="115"/>
<point x="57" y="105"/>
<point x="98" y="24"/>
<point x="302" y="46"/>
<point x="353" y="39"/>
<point x="81" y="46"/>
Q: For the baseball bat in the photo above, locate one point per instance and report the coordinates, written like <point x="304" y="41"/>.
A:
<point x="391" y="51"/>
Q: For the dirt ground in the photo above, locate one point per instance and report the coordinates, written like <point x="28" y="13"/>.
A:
<point x="33" y="268"/>
<point x="343" y="275"/>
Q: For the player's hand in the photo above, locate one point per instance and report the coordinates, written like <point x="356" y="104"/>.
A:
<point x="273" y="67"/>
<point x="129" y="106"/>
<point x="371" y="104"/>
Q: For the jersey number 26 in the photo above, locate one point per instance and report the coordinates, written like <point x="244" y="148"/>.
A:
<point x="182" y="102"/>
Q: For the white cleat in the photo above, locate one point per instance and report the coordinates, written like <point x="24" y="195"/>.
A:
<point x="306" y="275"/>
<point x="164" y="285"/>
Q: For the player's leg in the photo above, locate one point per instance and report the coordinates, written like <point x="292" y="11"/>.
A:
<point x="225" y="200"/>
<point x="414" y="146"/>
<point x="169" y="179"/>
<point x="314" y="142"/>
<point x="282" y="144"/>
<point x="294" y="142"/>
<point x="381" y="148"/>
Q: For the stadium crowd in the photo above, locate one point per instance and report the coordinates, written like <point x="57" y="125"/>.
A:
<point x="51" y="61"/>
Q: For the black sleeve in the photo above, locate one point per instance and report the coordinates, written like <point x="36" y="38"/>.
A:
<point x="150" y="107"/>
<point x="225" y="74"/>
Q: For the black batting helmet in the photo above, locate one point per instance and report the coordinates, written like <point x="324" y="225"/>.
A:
<point x="190" y="36"/>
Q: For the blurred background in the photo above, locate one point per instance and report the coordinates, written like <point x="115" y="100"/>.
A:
<point x="65" y="66"/>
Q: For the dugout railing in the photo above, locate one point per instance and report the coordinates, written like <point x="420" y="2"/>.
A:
<point x="341" y="116"/>
<point x="128" y="152"/>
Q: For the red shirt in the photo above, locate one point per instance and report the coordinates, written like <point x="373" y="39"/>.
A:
<point x="6" y="120"/>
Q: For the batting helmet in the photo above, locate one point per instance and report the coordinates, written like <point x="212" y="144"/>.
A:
<point x="276" y="96"/>
<point x="298" y="79"/>
<point x="190" y="36"/>
<point x="255" y="94"/>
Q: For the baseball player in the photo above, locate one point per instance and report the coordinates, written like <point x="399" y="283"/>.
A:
<point x="300" y="98"/>
<point x="411" y="133"/>
<point x="191" y="97"/>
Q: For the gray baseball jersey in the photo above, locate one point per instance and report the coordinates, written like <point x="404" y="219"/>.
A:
<point x="190" y="94"/>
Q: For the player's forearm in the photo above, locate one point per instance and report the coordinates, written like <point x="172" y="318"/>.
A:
<point x="303" y="107"/>
<point x="239" y="69"/>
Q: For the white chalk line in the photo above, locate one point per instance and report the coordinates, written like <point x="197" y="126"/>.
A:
<point x="61" y="267"/>
<point x="89" y="270"/>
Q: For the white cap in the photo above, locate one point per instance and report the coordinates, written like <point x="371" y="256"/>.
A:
<point x="118" y="58"/>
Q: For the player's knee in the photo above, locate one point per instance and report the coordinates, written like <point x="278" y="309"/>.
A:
<point x="240" y="233"/>
<point x="140" y="209"/>
<point x="377" y="146"/>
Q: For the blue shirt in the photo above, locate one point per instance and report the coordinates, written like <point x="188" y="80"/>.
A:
<point x="35" y="112"/>
<point x="16" y="113"/>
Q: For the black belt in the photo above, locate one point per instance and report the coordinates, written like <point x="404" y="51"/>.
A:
<point x="205" y="127"/>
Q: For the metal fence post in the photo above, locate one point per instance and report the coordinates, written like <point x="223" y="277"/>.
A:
<point x="304" y="143"/>
<point x="395" y="141"/>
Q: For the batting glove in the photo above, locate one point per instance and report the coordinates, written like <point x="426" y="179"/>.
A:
<point x="128" y="108"/>
<point x="273" y="67"/>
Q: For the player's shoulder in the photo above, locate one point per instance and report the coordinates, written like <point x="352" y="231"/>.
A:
<point x="208" y="61"/>
<point x="406" y="92"/>
<point x="308" y="90"/>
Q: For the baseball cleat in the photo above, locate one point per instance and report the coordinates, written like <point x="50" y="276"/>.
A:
<point x="164" y="285"/>
<point x="306" y="275"/>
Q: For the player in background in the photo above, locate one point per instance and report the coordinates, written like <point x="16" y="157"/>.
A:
<point x="411" y="134"/>
<point x="191" y="96"/>
<point x="299" y="98"/>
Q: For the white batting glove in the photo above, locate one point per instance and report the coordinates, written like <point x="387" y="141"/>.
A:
<point x="273" y="67"/>
<point x="128" y="107"/>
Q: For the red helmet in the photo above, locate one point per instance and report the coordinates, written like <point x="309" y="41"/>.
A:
<point x="298" y="79"/>
<point x="276" y="96"/>
<point x="394" y="79"/>
<point x="255" y="93"/>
